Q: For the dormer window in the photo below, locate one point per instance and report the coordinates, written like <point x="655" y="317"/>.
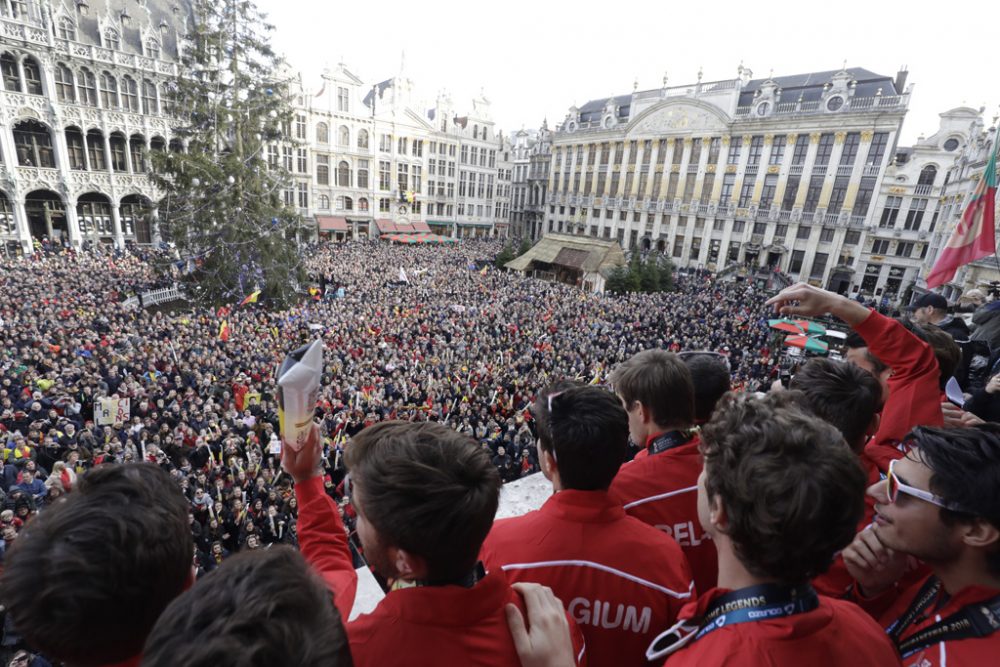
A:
<point x="67" y="29"/>
<point x="152" y="48"/>
<point x="112" y="40"/>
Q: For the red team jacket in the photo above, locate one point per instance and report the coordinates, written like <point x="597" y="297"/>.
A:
<point x="972" y="652"/>
<point x="914" y="390"/>
<point x="621" y="580"/>
<point x="835" y="634"/>
<point x="420" y="627"/>
<point x="662" y="491"/>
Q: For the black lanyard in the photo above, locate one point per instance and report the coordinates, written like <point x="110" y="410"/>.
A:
<point x="974" y="620"/>
<point x="668" y="440"/>
<point x="765" y="602"/>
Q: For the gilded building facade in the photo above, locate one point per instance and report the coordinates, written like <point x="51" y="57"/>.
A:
<point x="781" y="172"/>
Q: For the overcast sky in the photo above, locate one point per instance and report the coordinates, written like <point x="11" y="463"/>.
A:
<point x="534" y="59"/>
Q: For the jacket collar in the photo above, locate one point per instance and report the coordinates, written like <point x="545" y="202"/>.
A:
<point x="583" y="506"/>
<point x="453" y="606"/>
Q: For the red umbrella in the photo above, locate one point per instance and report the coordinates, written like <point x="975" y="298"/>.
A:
<point x="788" y="326"/>
<point x="807" y="343"/>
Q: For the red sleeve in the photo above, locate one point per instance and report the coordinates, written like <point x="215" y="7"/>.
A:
<point x="876" y="606"/>
<point x="914" y="391"/>
<point x="323" y="542"/>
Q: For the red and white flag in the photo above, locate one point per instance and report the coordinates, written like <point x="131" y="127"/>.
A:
<point x="975" y="236"/>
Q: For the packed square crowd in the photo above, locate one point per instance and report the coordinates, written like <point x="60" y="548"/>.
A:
<point x="690" y="523"/>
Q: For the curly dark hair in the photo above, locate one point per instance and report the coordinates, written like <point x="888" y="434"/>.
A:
<point x="792" y="490"/>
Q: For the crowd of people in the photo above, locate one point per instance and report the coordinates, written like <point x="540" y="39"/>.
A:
<point x="447" y="344"/>
<point x="675" y="508"/>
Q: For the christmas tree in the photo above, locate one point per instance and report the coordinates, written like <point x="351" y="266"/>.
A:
<point x="223" y="207"/>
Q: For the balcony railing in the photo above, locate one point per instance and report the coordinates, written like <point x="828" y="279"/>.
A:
<point x="880" y="102"/>
<point x="923" y="189"/>
<point x="845" y="169"/>
<point x="752" y="169"/>
<point x="871" y="170"/>
<point x="795" y="170"/>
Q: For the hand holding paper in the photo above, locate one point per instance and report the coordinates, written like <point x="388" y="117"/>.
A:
<point x="298" y="391"/>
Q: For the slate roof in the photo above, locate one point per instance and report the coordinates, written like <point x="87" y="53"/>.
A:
<point x="810" y="85"/>
<point x="170" y="12"/>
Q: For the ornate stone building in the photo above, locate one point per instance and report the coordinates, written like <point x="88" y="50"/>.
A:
<point x="531" y="152"/>
<point x="374" y="160"/>
<point x="85" y="95"/>
<point x="962" y="173"/>
<point x="912" y="213"/>
<point x="777" y="173"/>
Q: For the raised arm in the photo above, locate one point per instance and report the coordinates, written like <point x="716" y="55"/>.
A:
<point x="322" y="538"/>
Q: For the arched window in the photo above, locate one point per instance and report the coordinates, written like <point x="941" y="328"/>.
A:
<point x="343" y="174"/>
<point x="11" y="77"/>
<point x="76" y="149"/>
<point x="176" y="146"/>
<point x="343" y="136"/>
<point x="168" y="98"/>
<point x="348" y="204"/>
<point x="64" y="83"/>
<point x="152" y="48"/>
<point x="118" y="148"/>
<point x="67" y="29"/>
<point x="93" y="213"/>
<point x="34" y="145"/>
<point x="323" y="133"/>
<point x="475" y="131"/>
<point x="927" y="175"/>
<point x="109" y="91"/>
<point x="87" y="83"/>
<point x="95" y="151"/>
<point x="19" y="9"/>
<point x="130" y="94"/>
<point x="111" y="39"/>
<point x="363" y="139"/>
<point x="137" y="151"/>
<point x="324" y="203"/>
<point x="32" y="76"/>
<point x="158" y="144"/>
<point x="363" y="204"/>
<point x="149" y="105"/>
<point x="7" y="224"/>
<point x="339" y="201"/>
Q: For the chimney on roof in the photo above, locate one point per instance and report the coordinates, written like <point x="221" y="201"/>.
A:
<point x="900" y="82"/>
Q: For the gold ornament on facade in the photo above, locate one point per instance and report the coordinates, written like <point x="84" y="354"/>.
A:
<point x="687" y="142"/>
<point x="814" y="137"/>
<point x="773" y="169"/>
<point x="747" y="138"/>
<point x="710" y="168"/>
<point x="768" y="139"/>
<point x="790" y="139"/>
<point x="867" y="135"/>
<point x="675" y="169"/>
<point x="725" y="140"/>
<point x="838" y="138"/>
<point x="897" y="191"/>
<point x="731" y="169"/>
